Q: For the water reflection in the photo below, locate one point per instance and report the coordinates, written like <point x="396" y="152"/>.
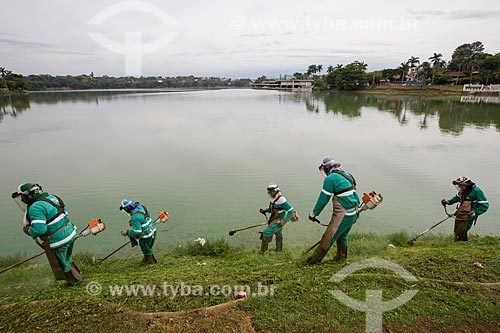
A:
<point x="13" y="105"/>
<point x="453" y="115"/>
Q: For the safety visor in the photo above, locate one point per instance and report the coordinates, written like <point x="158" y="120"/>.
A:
<point x="460" y="181"/>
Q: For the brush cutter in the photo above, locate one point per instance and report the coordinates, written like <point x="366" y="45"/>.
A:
<point x="94" y="227"/>
<point x="370" y="201"/>
<point x="162" y="217"/>
<point x="232" y="232"/>
<point x="411" y="241"/>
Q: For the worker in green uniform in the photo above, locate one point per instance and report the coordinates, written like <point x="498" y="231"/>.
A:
<point x="472" y="203"/>
<point x="340" y="187"/>
<point x="46" y="217"/>
<point x="281" y="212"/>
<point x="143" y="229"/>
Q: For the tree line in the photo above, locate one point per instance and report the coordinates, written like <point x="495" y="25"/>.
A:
<point x="47" y="82"/>
<point x="41" y="82"/>
<point x="11" y="81"/>
<point x="469" y="64"/>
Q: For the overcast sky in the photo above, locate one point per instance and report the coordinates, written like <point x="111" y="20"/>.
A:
<point x="234" y="38"/>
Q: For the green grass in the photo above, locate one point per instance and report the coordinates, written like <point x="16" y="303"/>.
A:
<point x="454" y="296"/>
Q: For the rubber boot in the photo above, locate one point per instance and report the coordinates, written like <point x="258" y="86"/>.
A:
<point x="150" y="259"/>
<point x="460" y="230"/>
<point x="341" y="252"/>
<point x="462" y="217"/>
<point x="74" y="277"/>
<point x="265" y="244"/>
<point x="317" y="256"/>
<point x="279" y="244"/>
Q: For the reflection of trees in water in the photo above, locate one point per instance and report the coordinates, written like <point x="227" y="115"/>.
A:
<point x="453" y="116"/>
<point x="344" y="104"/>
<point x="74" y="97"/>
<point x="13" y="105"/>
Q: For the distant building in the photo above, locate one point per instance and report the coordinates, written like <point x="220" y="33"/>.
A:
<point x="456" y="75"/>
<point x="284" y="85"/>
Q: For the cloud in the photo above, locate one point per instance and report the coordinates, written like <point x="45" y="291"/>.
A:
<point x="40" y="46"/>
<point x="254" y="35"/>
<point x="272" y="43"/>
<point x="23" y="43"/>
<point x="455" y="14"/>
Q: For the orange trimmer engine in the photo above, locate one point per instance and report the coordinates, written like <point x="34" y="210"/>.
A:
<point x="371" y="200"/>
<point x="163" y="216"/>
<point x="94" y="227"/>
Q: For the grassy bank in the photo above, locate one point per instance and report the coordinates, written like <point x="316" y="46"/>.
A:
<point x="7" y="93"/>
<point x="453" y="296"/>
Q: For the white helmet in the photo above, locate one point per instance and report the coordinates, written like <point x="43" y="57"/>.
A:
<point x="273" y="187"/>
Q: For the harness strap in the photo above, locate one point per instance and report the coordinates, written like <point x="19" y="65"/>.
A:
<point x="59" y="229"/>
<point x="351" y="181"/>
<point x="60" y="207"/>
<point x="146" y="216"/>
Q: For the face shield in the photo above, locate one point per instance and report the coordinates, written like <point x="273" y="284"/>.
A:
<point x="272" y="194"/>
<point x="322" y="171"/>
<point x="18" y="199"/>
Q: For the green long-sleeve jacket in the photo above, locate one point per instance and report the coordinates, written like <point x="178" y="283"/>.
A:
<point x="479" y="202"/>
<point x="335" y="183"/>
<point x="45" y="220"/>
<point x="284" y="208"/>
<point x="142" y="225"/>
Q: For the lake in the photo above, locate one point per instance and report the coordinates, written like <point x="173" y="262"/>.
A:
<point x="207" y="156"/>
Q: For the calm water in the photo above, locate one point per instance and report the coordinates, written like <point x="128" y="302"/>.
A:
<point x="207" y="156"/>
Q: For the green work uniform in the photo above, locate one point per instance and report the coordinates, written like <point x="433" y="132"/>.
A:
<point x="281" y="212"/>
<point x="339" y="187"/>
<point x="143" y="229"/>
<point x="47" y="221"/>
<point x="479" y="203"/>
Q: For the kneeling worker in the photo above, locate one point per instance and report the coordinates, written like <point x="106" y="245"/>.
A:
<point x="143" y="229"/>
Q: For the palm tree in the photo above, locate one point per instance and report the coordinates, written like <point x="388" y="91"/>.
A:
<point x="413" y="61"/>
<point x="4" y="73"/>
<point x="437" y="62"/>
<point x="362" y="64"/>
<point x="319" y="68"/>
<point x="312" y="69"/>
<point x="425" y="70"/>
<point x="436" y="59"/>
<point x="404" y="69"/>
<point x="330" y="69"/>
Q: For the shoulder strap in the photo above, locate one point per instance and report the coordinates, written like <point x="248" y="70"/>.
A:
<point x="60" y="207"/>
<point x="351" y="181"/>
<point x="279" y="196"/>
<point x="145" y="213"/>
